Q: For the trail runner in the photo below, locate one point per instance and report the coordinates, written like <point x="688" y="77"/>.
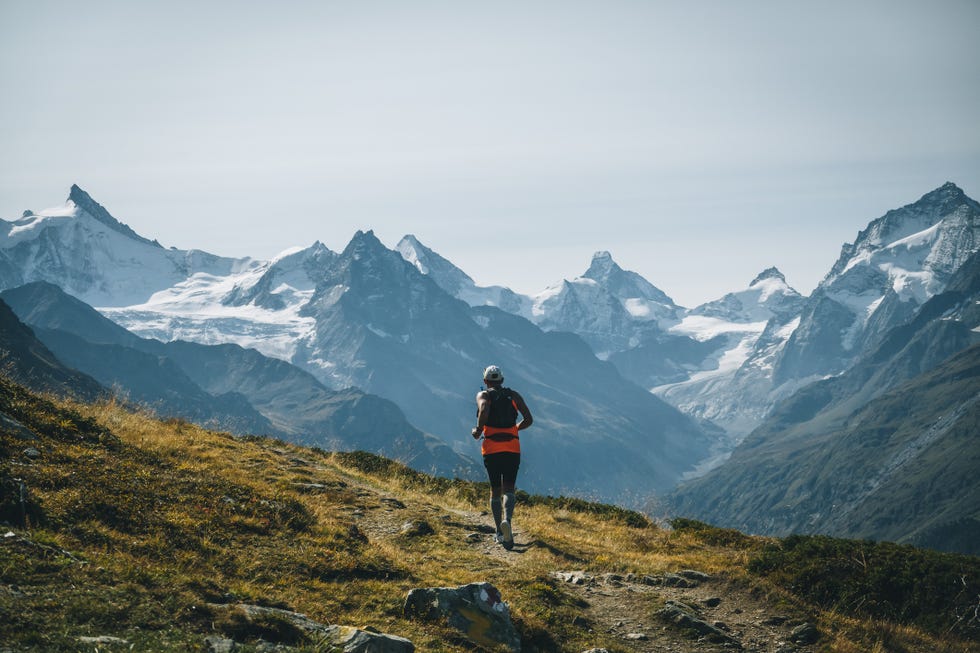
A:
<point x="497" y="408"/>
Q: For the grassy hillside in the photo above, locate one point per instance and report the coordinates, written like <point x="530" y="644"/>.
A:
<point x="120" y="525"/>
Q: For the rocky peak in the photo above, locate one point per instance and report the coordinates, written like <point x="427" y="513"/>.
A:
<point x="364" y="244"/>
<point x="768" y="273"/>
<point x="84" y="201"/>
<point x="602" y="266"/>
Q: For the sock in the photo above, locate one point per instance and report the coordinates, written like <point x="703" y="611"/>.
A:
<point x="495" y="506"/>
<point x="510" y="500"/>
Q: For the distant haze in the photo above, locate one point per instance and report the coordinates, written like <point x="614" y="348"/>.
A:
<point x="699" y="143"/>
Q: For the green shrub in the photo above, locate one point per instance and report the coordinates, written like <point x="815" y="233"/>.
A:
<point x="936" y="591"/>
<point x="711" y="535"/>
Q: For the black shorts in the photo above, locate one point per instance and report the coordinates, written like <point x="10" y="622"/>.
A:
<point x="502" y="467"/>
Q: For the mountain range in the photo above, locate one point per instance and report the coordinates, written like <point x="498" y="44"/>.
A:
<point x="363" y="318"/>
<point x="632" y="393"/>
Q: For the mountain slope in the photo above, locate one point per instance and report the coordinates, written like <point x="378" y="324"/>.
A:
<point x="885" y="450"/>
<point x="746" y="328"/>
<point x="26" y="360"/>
<point x="83" y="249"/>
<point x="894" y="266"/>
<point x="134" y="534"/>
<point x="227" y="385"/>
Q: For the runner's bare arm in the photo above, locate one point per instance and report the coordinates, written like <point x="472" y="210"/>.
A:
<point x="482" y="409"/>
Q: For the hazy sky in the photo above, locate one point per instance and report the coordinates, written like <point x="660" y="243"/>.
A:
<point x="699" y="142"/>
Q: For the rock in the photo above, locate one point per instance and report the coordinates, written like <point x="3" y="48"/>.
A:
<point x="691" y="574"/>
<point x="310" y="488"/>
<point x="712" y="602"/>
<point x="214" y="644"/>
<point x="473" y="537"/>
<point x="355" y="640"/>
<point x="573" y="577"/>
<point x="392" y="502"/>
<point x="104" y="640"/>
<point x="15" y="428"/>
<point x="597" y="650"/>
<point x="636" y="637"/>
<point x="805" y="634"/>
<point x="670" y="580"/>
<point x="477" y="610"/>
<point x="32" y="453"/>
<point x="347" y="638"/>
<point x="775" y="620"/>
<point x="417" y="528"/>
<point x="686" y="617"/>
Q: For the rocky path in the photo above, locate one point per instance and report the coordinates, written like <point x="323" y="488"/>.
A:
<point x="702" y="613"/>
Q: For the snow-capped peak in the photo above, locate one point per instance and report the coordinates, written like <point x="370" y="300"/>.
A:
<point x="766" y="297"/>
<point x="911" y="250"/>
<point x="426" y="261"/>
<point x="84" y="201"/>
<point x="624" y="284"/>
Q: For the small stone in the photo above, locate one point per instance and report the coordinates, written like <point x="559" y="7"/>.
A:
<point x="473" y="537"/>
<point x="637" y="637"/>
<point x="32" y="453"/>
<point x="692" y="574"/>
<point x="310" y="488"/>
<point x="775" y="620"/>
<point x="573" y="577"/>
<point x="417" y="528"/>
<point x="676" y="580"/>
<point x="393" y="503"/>
<point x="214" y="644"/>
<point x="712" y="602"/>
<point x="721" y="625"/>
<point x="105" y="640"/>
<point x="805" y="634"/>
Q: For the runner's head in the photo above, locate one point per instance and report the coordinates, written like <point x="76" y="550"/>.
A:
<point x="493" y="376"/>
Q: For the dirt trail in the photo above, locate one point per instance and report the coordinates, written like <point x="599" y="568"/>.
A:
<point x="620" y="608"/>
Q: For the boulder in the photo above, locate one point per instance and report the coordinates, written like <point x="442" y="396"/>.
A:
<point x="275" y="621"/>
<point x="477" y="610"/>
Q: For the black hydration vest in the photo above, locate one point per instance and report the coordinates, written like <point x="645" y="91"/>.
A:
<point x="502" y="413"/>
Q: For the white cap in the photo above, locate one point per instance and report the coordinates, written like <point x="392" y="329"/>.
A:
<point x="493" y="373"/>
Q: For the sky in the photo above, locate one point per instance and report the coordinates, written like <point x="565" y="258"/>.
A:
<point x="698" y="142"/>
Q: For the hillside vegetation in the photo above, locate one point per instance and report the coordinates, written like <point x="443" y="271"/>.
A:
<point x="118" y="525"/>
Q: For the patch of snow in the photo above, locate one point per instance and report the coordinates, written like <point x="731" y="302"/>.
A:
<point x="787" y="329"/>
<point x="702" y="327"/>
<point x="638" y="307"/>
<point x="31" y="227"/>
<point x="378" y="332"/>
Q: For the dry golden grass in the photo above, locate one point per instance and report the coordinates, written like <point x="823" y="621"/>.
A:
<point x="140" y="524"/>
